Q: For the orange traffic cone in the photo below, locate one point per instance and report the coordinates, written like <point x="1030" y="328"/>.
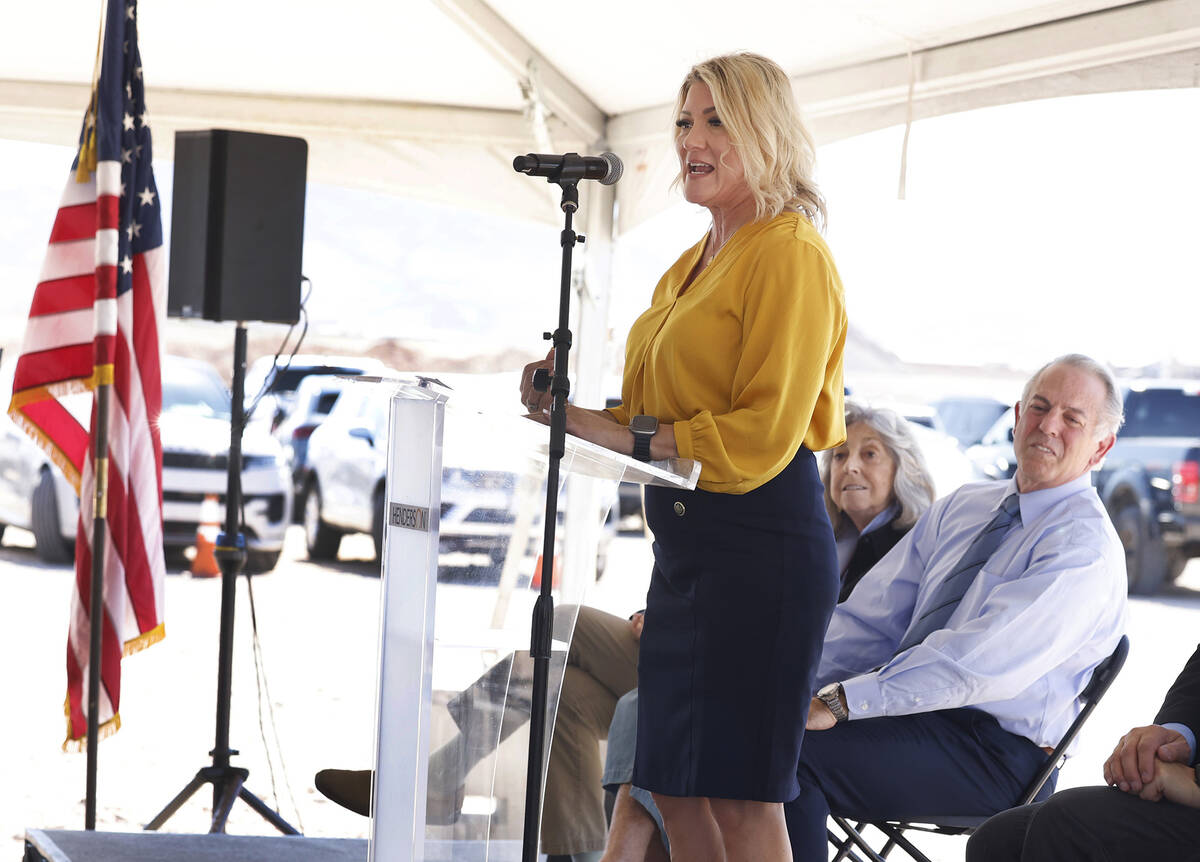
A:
<point x="204" y="564"/>
<point x="536" y="582"/>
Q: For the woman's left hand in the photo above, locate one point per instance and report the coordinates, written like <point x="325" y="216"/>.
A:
<point x="595" y="426"/>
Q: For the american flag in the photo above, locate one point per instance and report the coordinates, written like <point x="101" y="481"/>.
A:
<point x="95" y="318"/>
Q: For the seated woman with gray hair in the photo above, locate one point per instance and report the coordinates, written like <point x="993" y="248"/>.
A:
<point x="876" y="486"/>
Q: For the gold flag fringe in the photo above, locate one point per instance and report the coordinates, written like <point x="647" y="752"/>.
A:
<point x="79" y="745"/>
<point x="101" y="375"/>
<point x="61" y="461"/>
<point x="108" y="728"/>
<point x="144" y="640"/>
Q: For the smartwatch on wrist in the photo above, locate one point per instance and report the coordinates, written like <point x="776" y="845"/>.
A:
<point x="644" y="428"/>
<point x="831" y="696"/>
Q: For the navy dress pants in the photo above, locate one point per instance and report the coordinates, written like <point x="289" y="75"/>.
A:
<point x="956" y="762"/>
<point x="1090" y="824"/>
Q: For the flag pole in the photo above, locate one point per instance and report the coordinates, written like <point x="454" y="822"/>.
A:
<point x="87" y="162"/>
<point x="96" y="605"/>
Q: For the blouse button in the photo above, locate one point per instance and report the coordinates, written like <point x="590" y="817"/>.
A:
<point x="680" y="509"/>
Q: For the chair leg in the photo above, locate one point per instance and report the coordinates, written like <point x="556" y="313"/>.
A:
<point x="896" y="838"/>
<point x="853" y="835"/>
<point x="843" y="845"/>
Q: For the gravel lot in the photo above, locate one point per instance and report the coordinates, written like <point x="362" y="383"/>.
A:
<point x="318" y="629"/>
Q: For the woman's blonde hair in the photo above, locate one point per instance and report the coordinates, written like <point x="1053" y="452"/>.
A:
<point x="755" y="103"/>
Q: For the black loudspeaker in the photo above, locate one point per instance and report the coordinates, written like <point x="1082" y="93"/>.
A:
<point x="237" y="226"/>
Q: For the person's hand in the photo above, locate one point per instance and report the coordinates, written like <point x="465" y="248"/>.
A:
<point x="636" y="623"/>
<point x="819" y="716"/>
<point x="532" y="400"/>
<point x="1175" y="782"/>
<point x="1132" y="763"/>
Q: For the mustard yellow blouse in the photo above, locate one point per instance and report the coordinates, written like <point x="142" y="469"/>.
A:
<point x="747" y="361"/>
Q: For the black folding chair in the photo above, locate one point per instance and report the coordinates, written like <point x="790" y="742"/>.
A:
<point x="893" y="831"/>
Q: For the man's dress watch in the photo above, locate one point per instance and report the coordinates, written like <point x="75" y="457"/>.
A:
<point x="831" y="696"/>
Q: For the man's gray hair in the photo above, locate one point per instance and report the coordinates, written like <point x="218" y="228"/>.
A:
<point x="1112" y="411"/>
<point x="913" y="485"/>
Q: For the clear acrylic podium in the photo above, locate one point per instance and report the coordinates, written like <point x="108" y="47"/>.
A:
<point x="461" y="566"/>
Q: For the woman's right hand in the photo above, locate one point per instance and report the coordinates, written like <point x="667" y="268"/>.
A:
<point x="531" y="399"/>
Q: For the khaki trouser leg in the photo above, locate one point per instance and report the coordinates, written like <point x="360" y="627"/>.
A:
<point x="601" y="666"/>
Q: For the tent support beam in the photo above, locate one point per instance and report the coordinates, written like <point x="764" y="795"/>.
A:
<point x="561" y="95"/>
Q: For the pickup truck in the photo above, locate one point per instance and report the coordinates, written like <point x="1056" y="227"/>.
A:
<point x="1150" y="481"/>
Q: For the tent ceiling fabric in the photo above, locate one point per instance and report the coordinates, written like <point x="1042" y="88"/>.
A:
<point x="432" y="97"/>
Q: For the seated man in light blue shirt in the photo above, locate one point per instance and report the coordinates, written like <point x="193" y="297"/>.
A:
<point x="957" y="662"/>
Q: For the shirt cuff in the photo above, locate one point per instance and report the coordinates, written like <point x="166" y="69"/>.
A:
<point x="1186" y="733"/>
<point x="864" y="697"/>
<point x="683" y="440"/>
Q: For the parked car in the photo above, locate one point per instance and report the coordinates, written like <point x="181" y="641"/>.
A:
<point x="347" y="457"/>
<point x="993" y="455"/>
<point x="948" y="465"/>
<point x="195" y="437"/>
<point x="195" y="434"/>
<point x="947" y="462"/>
<point x="347" y="460"/>
<point x="34" y="494"/>
<point x="313" y="399"/>
<point x="273" y="383"/>
<point x="1149" y="482"/>
<point x="968" y="418"/>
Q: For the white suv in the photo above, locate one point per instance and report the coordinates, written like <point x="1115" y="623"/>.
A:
<point x="195" y="434"/>
<point x="195" y="440"/>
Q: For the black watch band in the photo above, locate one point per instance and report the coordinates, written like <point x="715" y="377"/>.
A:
<point x="644" y="428"/>
<point x="641" y="447"/>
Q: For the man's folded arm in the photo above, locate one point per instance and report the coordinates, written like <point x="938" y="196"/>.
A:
<point x="1181" y="707"/>
<point x="1025" y="627"/>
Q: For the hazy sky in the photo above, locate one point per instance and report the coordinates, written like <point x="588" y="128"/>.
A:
<point x="1028" y="230"/>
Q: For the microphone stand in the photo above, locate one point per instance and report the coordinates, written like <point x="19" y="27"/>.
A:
<point x="543" y="610"/>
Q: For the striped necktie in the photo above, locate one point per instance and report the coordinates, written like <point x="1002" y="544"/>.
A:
<point x="950" y="591"/>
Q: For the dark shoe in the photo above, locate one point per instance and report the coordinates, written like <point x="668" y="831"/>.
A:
<point x="349" y="788"/>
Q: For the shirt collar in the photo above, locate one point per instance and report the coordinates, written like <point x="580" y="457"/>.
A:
<point x="1035" y="503"/>
<point x="883" y="518"/>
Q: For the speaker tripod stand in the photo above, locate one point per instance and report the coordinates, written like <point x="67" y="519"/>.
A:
<point x="228" y="782"/>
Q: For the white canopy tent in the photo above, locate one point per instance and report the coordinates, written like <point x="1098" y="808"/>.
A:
<point x="432" y="98"/>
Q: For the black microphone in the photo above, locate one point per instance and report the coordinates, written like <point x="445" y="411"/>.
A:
<point x="606" y="167"/>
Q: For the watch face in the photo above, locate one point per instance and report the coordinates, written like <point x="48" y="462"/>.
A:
<point x="828" y="690"/>
<point x="642" y="424"/>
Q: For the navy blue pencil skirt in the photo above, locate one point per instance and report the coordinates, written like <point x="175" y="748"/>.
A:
<point x="741" y="594"/>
